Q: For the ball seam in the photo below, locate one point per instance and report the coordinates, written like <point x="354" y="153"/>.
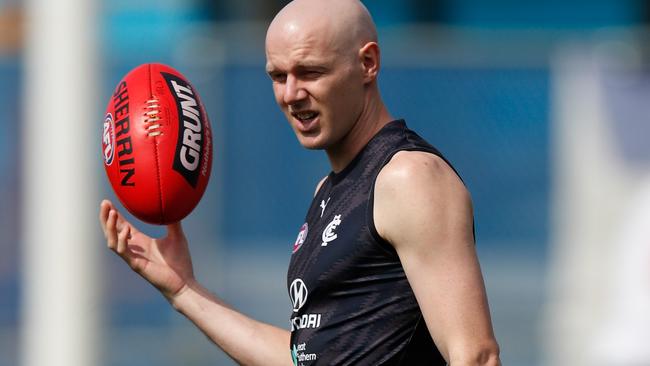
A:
<point x="155" y="143"/>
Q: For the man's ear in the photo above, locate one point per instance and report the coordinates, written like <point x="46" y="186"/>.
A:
<point x="369" y="57"/>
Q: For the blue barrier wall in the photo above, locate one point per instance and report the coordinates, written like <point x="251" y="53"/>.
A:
<point x="492" y="124"/>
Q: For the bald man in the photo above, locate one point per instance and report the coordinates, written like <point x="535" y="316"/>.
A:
<point x="384" y="269"/>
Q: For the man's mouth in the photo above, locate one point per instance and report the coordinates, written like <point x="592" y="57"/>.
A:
<point x="305" y="116"/>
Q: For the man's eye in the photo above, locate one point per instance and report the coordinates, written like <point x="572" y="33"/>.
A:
<point x="312" y="74"/>
<point x="278" y="77"/>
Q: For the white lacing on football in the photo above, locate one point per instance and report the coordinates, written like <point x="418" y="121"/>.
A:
<point x="152" y="118"/>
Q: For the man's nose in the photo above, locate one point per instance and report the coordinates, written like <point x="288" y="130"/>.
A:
<point x="293" y="91"/>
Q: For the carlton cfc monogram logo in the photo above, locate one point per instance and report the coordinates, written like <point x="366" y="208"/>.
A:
<point x="329" y="234"/>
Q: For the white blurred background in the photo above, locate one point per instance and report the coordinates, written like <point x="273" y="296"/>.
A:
<point x="542" y="106"/>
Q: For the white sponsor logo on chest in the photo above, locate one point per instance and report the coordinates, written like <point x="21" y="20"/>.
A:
<point x="298" y="294"/>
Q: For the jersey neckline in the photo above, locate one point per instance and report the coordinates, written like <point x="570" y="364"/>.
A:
<point x="335" y="178"/>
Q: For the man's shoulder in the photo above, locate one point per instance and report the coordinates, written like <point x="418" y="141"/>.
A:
<point x="407" y="167"/>
<point x="416" y="187"/>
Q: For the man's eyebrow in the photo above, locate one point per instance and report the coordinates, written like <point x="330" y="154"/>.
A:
<point x="311" y="66"/>
<point x="320" y="65"/>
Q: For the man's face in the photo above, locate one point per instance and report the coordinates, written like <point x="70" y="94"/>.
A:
<point x="318" y="85"/>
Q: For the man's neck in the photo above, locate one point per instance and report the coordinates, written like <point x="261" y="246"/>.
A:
<point x="373" y="119"/>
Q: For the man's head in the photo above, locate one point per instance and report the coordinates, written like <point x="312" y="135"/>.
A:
<point x="323" y="59"/>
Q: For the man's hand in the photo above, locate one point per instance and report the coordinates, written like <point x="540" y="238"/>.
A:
<point x="164" y="262"/>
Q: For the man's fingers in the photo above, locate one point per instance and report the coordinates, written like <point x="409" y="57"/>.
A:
<point x="122" y="223"/>
<point x="111" y="231"/>
<point x="122" y="240"/>
<point x="119" y="233"/>
<point x="104" y="209"/>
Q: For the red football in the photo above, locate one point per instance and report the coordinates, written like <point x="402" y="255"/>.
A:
<point x="157" y="144"/>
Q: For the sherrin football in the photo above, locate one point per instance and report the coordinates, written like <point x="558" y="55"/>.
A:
<point x="157" y="144"/>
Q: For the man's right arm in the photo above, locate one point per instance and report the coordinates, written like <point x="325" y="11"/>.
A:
<point x="166" y="264"/>
<point x="227" y="327"/>
<point x="247" y="341"/>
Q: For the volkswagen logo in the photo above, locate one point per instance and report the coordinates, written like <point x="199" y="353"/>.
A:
<point x="298" y="294"/>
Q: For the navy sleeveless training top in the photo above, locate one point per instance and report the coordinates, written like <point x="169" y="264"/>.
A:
<point x="352" y="303"/>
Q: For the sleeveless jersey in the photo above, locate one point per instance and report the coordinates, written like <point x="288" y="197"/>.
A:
<point x="352" y="303"/>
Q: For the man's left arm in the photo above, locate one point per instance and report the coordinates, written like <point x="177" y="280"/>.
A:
<point x="423" y="209"/>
